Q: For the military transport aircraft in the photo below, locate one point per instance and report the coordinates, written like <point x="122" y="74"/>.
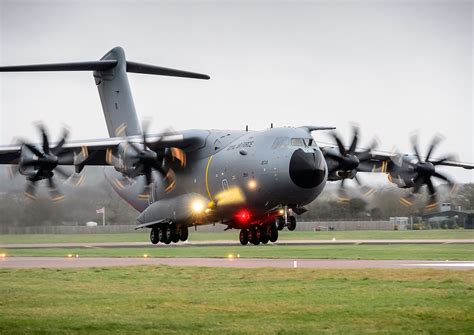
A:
<point x="255" y="181"/>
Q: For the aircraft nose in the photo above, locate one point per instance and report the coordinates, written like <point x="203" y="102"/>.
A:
<point x="307" y="169"/>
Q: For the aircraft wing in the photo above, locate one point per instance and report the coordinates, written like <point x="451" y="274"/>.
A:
<point x="382" y="160"/>
<point x="98" y="152"/>
<point x="380" y="157"/>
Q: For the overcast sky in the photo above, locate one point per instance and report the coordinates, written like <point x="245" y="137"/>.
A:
<point x="391" y="66"/>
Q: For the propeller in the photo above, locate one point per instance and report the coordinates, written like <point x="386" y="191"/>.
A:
<point x="44" y="163"/>
<point x="163" y="160"/>
<point x="349" y="162"/>
<point x="424" y="170"/>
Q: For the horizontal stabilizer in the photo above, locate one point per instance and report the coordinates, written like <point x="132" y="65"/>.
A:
<point x="97" y="65"/>
<point x="133" y="67"/>
<point x="104" y="65"/>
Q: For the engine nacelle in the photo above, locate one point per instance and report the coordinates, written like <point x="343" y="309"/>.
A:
<point x="122" y="158"/>
<point x="402" y="173"/>
<point x="341" y="174"/>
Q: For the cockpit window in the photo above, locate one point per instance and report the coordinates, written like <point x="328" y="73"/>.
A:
<point x="285" y="142"/>
<point x="297" y="142"/>
<point x="303" y="142"/>
<point x="281" y="142"/>
<point x="310" y="142"/>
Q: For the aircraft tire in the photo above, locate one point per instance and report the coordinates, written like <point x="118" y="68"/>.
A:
<point x="174" y="234"/>
<point x="264" y="236"/>
<point x="291" y="223"/>
<point x="154" y="238"/>
<point x="273" y="233"/>
<point x="280" y="221"/>
<point x="250" y="235"/>
<point x="256" y="234"/>
<point x="167" y="235"/>
<point x="183" y="233"/>
<point x="159" y="231"/>
<point x="244" y="237"/>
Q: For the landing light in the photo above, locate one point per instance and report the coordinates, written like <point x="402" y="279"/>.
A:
<point x="252" y="184"/>
<point x="197" y="206"/>
<point x="281" y="211"/>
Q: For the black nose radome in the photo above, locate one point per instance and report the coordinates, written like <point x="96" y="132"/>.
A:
<point x="307" y="169"/>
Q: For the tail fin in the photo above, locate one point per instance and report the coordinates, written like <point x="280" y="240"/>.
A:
<point x="110" y="74"/>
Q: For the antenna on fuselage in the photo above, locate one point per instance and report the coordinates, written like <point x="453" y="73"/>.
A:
<point x="247" y="128"/>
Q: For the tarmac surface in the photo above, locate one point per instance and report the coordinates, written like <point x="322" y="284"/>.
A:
<point x="230" y="243"/>
<point x="87" y="262"/>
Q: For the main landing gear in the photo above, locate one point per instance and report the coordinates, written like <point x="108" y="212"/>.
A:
<point x="168" y="233"/>
<point x="259" y="234"/>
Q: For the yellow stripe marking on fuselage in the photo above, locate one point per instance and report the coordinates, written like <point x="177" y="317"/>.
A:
<point x="207" y="177"/>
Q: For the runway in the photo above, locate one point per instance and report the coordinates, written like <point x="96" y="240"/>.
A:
<point x="87" y="262"/>
<point x="230" y="243"/>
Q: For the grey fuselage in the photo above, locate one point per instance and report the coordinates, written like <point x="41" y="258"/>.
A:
<point x="264" y="165"/>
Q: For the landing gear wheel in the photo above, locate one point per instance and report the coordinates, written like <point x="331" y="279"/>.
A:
<point x="291" y="223"/>
<point x="280" y="221"/>
<point x="159" y="233"/>
<point x="273" y="233"/>
<point x="264" y="237"/>
<point x="154" y="238"/>
<point x="250" y="235"/>
<point x="174" y="234"/>
<point x="167" y="234"/>
<point x="183" y="233"/>
<point x="244" y="237"/>
<point x="256" y="234"/>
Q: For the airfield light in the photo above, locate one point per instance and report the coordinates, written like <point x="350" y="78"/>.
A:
<point x="230" y="256"/>
<point x="3" y="255"/>
<point x="197" y="206"/>
<point x="69" y="256"/>
<point x="252" y="184"/>
<point x="145" y="255"/>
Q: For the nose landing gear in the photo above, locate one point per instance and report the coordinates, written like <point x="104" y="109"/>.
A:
<point x="290" y="222"/>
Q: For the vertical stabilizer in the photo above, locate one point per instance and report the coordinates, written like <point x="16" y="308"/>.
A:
<point x="116" y="96"/>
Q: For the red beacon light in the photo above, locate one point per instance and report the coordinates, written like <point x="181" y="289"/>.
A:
<point x="243" y="216"/>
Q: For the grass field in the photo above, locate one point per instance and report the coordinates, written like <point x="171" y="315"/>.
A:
<point x="233" y="235"/>
<point x="416" y="251"/>
<point x="173" y="300"/>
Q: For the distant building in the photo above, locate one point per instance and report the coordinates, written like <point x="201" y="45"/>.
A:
<point x="400" y="221"/>
<point x="445" y="206"/>
<point x="463" y="218"/>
